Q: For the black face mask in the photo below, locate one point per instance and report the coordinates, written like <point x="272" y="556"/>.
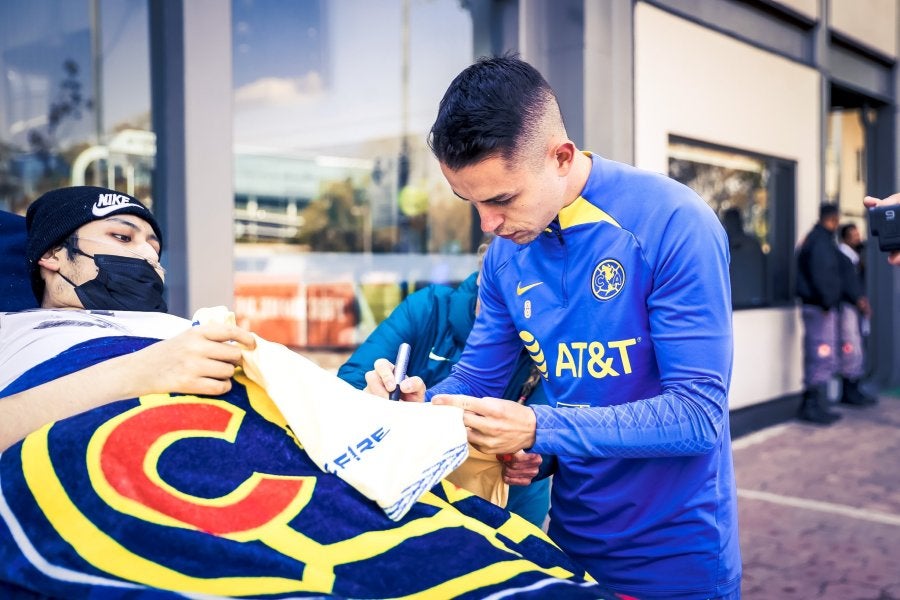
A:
<point x="122" y="283"/>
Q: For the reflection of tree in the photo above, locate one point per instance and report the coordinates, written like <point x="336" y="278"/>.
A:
<point x="334" y="221"/>
<point x="721" y="187"/>
<point x="724" y="188"/>
<point x="454" y="219"/>
<point x="68" y="104"/>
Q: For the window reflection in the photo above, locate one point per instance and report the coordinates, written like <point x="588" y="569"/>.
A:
<point x="845" y="160"/>
<point x="749" y="194"/>
<point x="74" y="84"/>
<point x="341" y="209"/>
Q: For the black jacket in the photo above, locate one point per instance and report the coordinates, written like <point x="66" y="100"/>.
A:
<point x="819" y="269"/>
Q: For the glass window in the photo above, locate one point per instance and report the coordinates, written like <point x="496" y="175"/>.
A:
<point x="341" y="210"/>
<point x="74" y="98"/>
<point x="845" y="163"/>
<point x="753" y="197"/>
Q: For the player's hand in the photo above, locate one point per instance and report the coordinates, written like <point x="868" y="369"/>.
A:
<point x="200" y="360"/>
<point x="380" y="382"/>
<point x="495" y="426"/>
<point x="520" y="468"/>
<point x="872" y="202"/>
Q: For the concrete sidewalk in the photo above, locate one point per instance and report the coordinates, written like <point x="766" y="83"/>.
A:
<point x="820" y="507"/>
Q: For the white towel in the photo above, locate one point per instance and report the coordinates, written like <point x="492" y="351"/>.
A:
<point x="391" y="452"/>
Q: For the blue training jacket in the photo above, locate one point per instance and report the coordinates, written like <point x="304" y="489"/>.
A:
<point x="436" y="321"/>
<point x="624" y="302"/>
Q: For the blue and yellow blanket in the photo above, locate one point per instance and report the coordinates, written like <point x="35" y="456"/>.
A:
<point x="176" y="495"/>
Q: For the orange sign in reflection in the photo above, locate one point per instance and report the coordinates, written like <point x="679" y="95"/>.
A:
<point x="283" y="309"/>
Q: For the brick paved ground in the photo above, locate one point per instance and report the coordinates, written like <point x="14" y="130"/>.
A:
<point x="820" y="507"/>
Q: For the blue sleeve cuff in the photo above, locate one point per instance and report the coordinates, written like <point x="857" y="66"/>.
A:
<point x="540" y="436"/>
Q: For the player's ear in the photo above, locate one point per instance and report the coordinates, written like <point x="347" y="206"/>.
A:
<point x="564" y="155"/>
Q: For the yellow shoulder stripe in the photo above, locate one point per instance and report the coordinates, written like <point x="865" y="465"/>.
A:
<point x="580" y="212"/>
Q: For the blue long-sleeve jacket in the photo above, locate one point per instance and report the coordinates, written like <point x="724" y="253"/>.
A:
<point x="624" y="303"/>
<point x="435" y="321"/>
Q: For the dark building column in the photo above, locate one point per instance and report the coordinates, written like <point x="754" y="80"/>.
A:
<point x="193" y="187"/>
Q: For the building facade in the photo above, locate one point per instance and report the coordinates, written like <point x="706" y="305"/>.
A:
<point x="282" y="143"/>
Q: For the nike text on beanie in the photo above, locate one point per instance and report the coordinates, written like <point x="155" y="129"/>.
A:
<point x="57" y="214"/>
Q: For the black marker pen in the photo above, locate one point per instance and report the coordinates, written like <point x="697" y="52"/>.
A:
<point x="400" y="366"/>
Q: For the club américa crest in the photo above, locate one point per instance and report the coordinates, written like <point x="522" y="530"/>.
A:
<point x="608" y="279"/>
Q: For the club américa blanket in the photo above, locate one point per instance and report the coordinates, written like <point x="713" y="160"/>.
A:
<point x="187" y="496"/>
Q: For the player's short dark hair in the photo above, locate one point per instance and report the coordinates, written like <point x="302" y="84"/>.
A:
<point x="493" y="108"/>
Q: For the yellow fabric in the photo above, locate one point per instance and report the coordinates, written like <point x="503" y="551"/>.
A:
<point x="482" y="475"/>
<point x="581" y="211"/>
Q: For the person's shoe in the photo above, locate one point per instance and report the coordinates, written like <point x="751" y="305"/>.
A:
<point x="854" y="396"/>
<point x="812" y="409"/>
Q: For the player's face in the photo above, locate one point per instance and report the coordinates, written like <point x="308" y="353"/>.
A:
<point x="513" y="202"/>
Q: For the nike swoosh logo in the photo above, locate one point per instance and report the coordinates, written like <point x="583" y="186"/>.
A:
<point x="520" y="289"/>
<point x="433" y="356"/>
<point x="105" y="210"/>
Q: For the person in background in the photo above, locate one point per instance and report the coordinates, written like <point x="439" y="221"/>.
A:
<point x="747" y="268"/>
<point x="615" y="281"/>
<point x="853" y="312"/>
<point x="436" y="321"/>
<point x="820" y="286"/>
<point x="93" y="258"/>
